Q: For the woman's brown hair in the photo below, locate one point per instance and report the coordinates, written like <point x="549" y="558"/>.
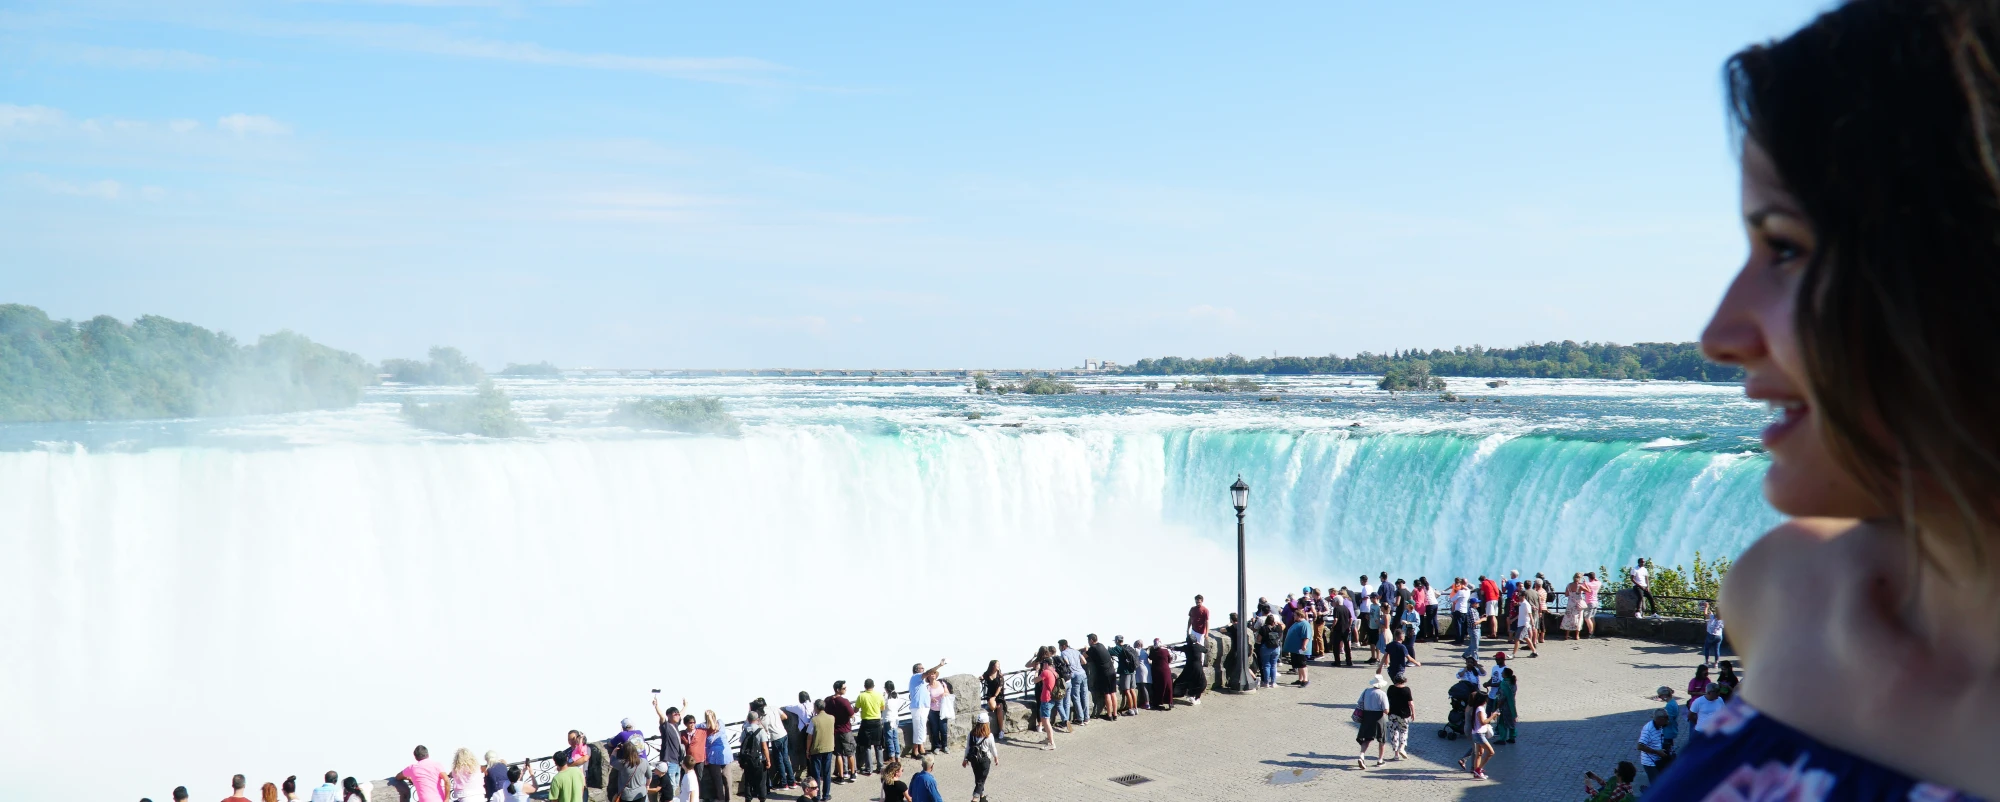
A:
<point x="1881" y="119"/>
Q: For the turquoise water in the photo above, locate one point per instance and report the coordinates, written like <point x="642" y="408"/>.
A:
<point x="389" y="585"/>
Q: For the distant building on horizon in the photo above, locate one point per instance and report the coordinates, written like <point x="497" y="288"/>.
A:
<point x="1096" y="364"/>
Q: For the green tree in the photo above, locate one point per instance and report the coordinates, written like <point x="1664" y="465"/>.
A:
<point x="102" y="369"/>
<point x="538" y="369"/>
<point x="696" y="415"/>
<point x="1414" y="375"/>
<point x="487" y="413"/>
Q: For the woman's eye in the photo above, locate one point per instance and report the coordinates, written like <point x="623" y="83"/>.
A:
<point x="1784" y="252"/>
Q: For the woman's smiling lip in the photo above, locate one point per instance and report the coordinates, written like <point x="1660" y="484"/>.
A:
<point x="1792" y="411"/>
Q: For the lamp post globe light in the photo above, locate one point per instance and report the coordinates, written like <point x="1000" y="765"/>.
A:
<point x="1239" y="495"/>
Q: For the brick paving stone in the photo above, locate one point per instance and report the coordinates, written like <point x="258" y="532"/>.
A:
<point x="1581" y="707"/>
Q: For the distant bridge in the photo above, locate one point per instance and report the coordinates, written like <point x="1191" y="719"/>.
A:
<point x="950" y="373"/>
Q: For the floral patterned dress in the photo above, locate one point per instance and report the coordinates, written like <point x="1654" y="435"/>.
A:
<point x="1740" y="755"/>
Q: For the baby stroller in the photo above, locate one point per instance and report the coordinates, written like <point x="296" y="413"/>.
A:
<point x="1455" y="723"/>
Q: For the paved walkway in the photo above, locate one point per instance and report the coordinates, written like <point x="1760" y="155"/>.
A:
<point x="1581" y="708"/>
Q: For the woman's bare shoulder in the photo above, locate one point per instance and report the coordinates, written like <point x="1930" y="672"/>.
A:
<point x="1786" y="564"/>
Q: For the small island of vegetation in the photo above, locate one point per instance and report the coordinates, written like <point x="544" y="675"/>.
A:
<point x="487" y="413"/>
<point x="1035" y="385"/>
<point x="542" y="369"/>
<point x="696" y="415"/>
<point x="1414" y="375"/>
<point x="103" y="369"/>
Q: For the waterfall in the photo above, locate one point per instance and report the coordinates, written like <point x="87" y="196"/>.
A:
<point x="291" y="610"/>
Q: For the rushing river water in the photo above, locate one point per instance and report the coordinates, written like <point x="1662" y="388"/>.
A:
<point x="289" y="594"/>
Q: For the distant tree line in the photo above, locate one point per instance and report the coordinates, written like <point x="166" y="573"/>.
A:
<point x="1564" y="360"/>
<point x="447" y="366"/>
<point x="103" y="369"/>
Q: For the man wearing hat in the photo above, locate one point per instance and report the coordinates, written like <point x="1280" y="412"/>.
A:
<point x="1654" y="755"/>
<point x="1369" y="710"/>
<point x="1673" y="711"/>
<point x="627" y="732"/>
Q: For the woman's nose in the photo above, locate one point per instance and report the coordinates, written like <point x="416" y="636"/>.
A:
<point x="1733" y="335"/>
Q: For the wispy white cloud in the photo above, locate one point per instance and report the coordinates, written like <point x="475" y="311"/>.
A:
<point x="127" y="57"/>
<point x="421" y="39"/>
<point x="12" y="116"/>
<point x="103" y="189"/>
<point x="245" y="125"/>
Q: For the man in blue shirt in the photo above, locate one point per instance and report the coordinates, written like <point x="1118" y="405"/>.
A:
<point x="923" y="787"/>
<point x="1297" y="639"/>
<point x="330" y="792"/>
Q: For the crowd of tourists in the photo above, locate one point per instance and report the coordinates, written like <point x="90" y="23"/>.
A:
<point x="814" y="745"/>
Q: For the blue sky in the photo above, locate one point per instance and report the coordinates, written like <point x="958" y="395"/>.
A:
<point x="819" y="184"/>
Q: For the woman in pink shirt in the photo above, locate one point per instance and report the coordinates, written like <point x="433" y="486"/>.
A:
<point x="468" y="784"/>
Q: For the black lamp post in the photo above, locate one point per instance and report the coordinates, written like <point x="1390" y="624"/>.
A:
<point x="1239" y="494"/>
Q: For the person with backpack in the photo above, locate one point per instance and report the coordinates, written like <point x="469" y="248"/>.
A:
<point x="753" y="754"/>
<point x="1270" y="637"/>
<point x="1127" y="668"/>
<point x="981" y="755"/>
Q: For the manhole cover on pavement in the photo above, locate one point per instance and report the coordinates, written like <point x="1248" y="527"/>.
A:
<point x="1132" y="779"/>
<point x="1293" y="776"/>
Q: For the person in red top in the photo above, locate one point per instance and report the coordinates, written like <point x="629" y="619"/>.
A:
<point x="1198" y="621"/>
<point x="1045" y="699"/>
<point x="842" y="712"/>
<point x="236" y="785"/>
<point x="1491" y="593"/>
<point x="694" y="742"/>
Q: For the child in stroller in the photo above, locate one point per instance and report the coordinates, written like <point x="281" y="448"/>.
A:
<point x="1454" y="725"/>
<point x="1469" y="678"/>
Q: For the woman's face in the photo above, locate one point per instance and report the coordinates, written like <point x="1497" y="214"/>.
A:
<point x="1753" y="328"/>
